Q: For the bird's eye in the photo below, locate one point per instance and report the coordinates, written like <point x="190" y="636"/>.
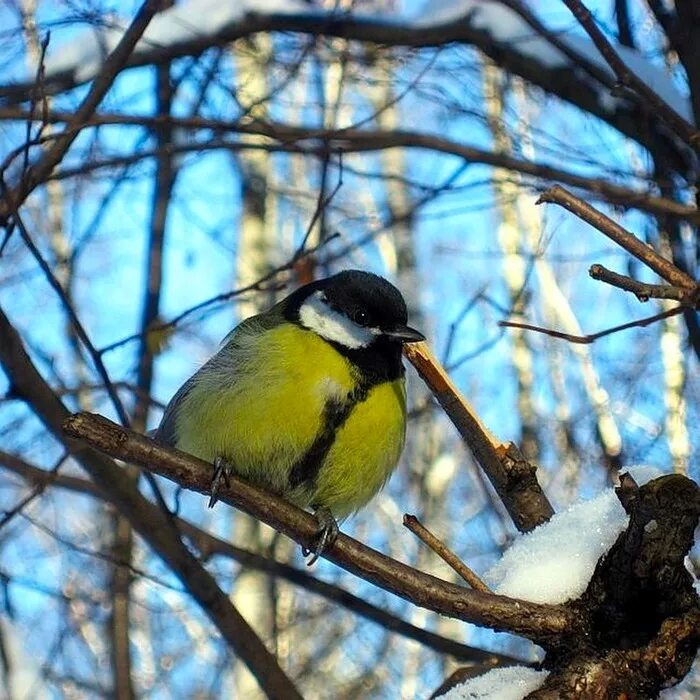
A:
<point x="360" y="317"/>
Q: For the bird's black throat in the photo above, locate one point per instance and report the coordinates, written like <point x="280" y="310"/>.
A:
<point x="378" y="363"/>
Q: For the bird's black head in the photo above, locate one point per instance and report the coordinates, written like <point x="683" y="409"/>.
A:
<point x="360" y="314"/>
<point x="355" y="310"/>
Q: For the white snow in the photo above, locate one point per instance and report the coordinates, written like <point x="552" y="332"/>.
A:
<point x="551" y="564"/>
<point x="506" y="26"/>
<point x="555" y="562"/>
<point x="512" y="683"/>
<point x="195" y="18"/>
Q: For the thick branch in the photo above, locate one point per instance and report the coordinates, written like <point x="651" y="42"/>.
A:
<point x="354" y="140"/>
<point x="209" y="545"/>
<point x="537" y="622"/>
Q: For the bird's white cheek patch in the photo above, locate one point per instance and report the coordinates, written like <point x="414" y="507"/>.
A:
<point x="317" y="316"/>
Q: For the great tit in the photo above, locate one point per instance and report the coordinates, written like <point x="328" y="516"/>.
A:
<point x="307" y="399"/>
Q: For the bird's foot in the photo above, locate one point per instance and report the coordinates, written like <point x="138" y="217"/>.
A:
<point x="325" y="535"/>
<point x="222" y="471"/>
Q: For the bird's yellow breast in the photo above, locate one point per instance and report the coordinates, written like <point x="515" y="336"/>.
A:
<point x="365" y="451"/>
<point x="262" y="404"/>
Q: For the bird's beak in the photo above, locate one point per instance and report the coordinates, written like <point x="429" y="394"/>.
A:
<point x="404" y="334"/>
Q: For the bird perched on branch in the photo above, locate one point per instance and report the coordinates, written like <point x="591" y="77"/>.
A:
<point x="307" y="399"/>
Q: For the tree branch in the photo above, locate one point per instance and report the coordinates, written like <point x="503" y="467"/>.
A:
<point x="584" y="92"/>
<point x="39" y="172"/>
<point x="640" y="611"/>
<point x="209" y="545"/>
<point x="643" y="291"/>
<point x="592" y="337"/>
<point x="353" y="140"/>
<point x="511" y="475"/>
<point x="664" y="268"/>
<point x="537" y="622"/>
<point x="444" y="552"/>
<point x="627" y="78"/>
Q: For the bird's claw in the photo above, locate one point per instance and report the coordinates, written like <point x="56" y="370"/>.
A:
<point x="325" y="535"/>
<point x="222" y="471"/>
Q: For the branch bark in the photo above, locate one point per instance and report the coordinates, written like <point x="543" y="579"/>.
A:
<point x="644" y="291"/>
<point x="639" y="624"/>
<point x="511" y="475"/>
<point x="537" y="622"/>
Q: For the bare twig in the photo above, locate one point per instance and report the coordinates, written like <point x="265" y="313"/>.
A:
<point x="513" y="477"/>
<point x="644" y="292"/>
<point x="116" y="60"/>
<point x="587" y="339"/>
<point x="69" y="310"/>
<point x="664" y="268"/>
<point x="38" y="489"/>
<point x="219" y="298"/>
<point x="323" y="202"/>
<point x="444" y="552"/>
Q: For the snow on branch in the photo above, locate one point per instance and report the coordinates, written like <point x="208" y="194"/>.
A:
<point x="192" y="27"/>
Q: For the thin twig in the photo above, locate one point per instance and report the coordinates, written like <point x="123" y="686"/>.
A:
<point x="36" y="491"/>
<point x="444" y="552"/>
<point x="640" y="250"/>
<point x="323" y="202"/>
<point x="644" y="291"/>
<point x="587" y="339"/>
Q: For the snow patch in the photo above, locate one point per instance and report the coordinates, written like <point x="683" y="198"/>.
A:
<point x="512" y="683"/>
<point x="197" y="18"/>
<point x="507" y="27"/>
<point x="202" y="18"/>
<point x="555" y="562"/>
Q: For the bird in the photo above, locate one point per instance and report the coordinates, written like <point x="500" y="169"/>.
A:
<point x="306" y="399"/>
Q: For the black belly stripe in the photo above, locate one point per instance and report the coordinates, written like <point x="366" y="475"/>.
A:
<point x="335" y="413"/>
